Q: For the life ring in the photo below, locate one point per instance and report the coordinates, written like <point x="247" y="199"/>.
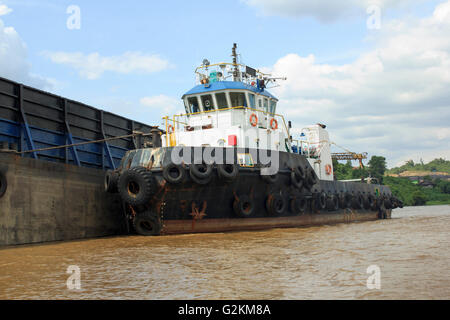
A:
<point x="253" y="120"/>
<point x="274" y="124"/>
<point x="328" y="169"/>
<point x="170" y="129"/>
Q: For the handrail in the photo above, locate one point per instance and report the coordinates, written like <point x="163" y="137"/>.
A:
<point x="238" y="107"/>
<point x="226" y="63"/>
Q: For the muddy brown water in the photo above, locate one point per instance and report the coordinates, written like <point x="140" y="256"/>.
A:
<point x="327" y="262"/>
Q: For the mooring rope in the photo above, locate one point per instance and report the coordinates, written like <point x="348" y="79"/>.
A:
<point x="80" y="143"/>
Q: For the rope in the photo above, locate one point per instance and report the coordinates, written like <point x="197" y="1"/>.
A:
<point x="83" y="143"/>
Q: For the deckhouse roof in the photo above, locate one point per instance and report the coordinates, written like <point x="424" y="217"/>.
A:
<point x="223" y="85"/>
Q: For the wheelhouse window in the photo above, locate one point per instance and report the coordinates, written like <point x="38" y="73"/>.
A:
<point x="207" y="102"/>
<point x="273" y="106"/>
<point x="266" y="104"/>
<point x="238" y="99"/>
<point x="251" y="100"/>
<point x="260" y="103"/>
<point x="221" y="99"/>
<point x="193" y="105"/>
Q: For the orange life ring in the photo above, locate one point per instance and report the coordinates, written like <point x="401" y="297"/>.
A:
<point x="274" y="124"/>
<point x="254" y="120"/>
<point x="328" y="169"/>
<point x="170" y="129"/>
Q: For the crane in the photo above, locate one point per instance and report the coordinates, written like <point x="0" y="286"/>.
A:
<point x="349" y="155"/>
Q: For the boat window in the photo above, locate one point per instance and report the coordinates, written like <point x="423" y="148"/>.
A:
<point x="207" y="102"/>
<point x="186" y="106"/>
<point x="266" y="105"/>
<point x="193" y="105"/>
<point x="251" y="98"/>
<point x="273" y="106"/>
<point x="238" y="99"/>
<point x="221" y="100"/>
<point x="260" y="103"/>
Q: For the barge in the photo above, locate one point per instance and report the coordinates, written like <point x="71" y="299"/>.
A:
<point x="49" y="192"/>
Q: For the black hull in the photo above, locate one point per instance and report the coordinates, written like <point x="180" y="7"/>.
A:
<point x="190" y="207"/>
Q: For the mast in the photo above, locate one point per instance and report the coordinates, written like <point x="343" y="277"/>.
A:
<point x="236" y="68"/>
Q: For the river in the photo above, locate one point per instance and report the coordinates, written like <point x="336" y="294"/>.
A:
<point x="409" y="253"/>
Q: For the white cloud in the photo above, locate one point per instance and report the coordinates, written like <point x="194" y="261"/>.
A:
<point x="4" y="10"/>
<point x="14" y="62"/>
<point x="323" y="10"/>
<point x="92" y="66"/>
<point x="392" y="101"/>
<point x="163" y="104"/>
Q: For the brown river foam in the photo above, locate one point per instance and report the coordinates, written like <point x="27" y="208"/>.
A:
<point x="327" y="262"/>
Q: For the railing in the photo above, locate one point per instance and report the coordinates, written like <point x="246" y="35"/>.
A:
<point x="309" y="149"/>
<point x="173" y="125"/>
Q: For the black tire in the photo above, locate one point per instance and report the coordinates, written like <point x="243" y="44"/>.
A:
<point x="3" y="184"/>
<point x="379" y="202"/>
<point x="366" y="203"/>
<point x="147" y="224"/>
<point x="201" y="171"/>
<point x="311" y="177"/>
<point x="394" y="202"/>
<point x="299" y="205"/>
<point x="275" y="205"/>
<point x="111" y="181"/>
<point x="345" y="200"/>
<point x="332" y="203"/>
<point x="296" y="180"/>
<point x="174" y="173"/>
<point x="320" y="201"/>
<point x="270" y="179"/>
<point x="372" y="202"/>
<point x="228" y="171"/>
<point x="387" y="203"/>
<point x="136" y="186"/>
<point x="382" y="212"/>
<point x="299" y="171"/>
<point x="358" y="201"/>
<point x="200" y="181"/>
<point x="244" y="206"/>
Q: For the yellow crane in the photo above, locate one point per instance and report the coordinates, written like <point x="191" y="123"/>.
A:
<point x="349" y="155"/>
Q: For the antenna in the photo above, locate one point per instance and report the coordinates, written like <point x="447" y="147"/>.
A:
<point x="236" y="69"/>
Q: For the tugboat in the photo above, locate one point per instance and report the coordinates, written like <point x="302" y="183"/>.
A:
<point x="231" y="163"/>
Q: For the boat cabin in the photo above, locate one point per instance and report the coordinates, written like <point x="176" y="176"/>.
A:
<point x="226" y="95"/>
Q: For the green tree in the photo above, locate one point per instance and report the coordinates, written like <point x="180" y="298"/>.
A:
<point x="419" y="198"/>
<point x="377" y="167"/>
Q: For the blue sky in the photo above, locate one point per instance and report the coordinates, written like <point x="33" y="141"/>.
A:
<point x="271" y="34"/>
